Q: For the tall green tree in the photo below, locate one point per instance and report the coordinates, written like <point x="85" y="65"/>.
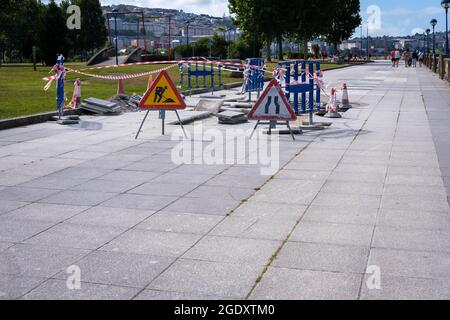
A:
<point x="93" y="33"/>
<point x="52" y="33"/>
<point x="262" y="19"/>
<point x="308" y="20"/>
<point x="344" y="20"/>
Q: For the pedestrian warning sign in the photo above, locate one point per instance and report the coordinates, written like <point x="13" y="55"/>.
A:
<point x="162" y="95"/>
<point x="272" y="106"/>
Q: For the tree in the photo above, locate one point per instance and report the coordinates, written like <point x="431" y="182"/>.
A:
<point x="52" y="33"/>
<point x="308" y="20"/>
<point x="219" y="46"/>
<point x="344" y="20"/>
<point x="263" y="20"/>
<point x="93" y="33"/>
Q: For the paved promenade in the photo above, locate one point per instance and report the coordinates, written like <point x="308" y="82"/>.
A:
<point x="370" y="192"/>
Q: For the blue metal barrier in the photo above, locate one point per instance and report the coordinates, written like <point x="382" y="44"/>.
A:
<point x="255" y="80"/>
<point x="198" y="73"/>
<point x="298" y="71"/>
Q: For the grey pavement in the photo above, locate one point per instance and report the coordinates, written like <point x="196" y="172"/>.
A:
<point x="371" y="191"/>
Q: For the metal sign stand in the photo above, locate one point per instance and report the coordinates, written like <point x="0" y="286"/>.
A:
<point x="162" y="116"/>
<point x="272" y="125"/>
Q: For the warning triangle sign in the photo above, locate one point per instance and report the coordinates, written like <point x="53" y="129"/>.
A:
<point x="272" y="106"/>
<point x="162" y="95"/>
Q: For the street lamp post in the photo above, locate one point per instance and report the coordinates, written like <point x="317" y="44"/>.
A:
<point x="115" y="11"/>
<point x="433" y="24"/>
<point x="187" y="32"/>
<point x="446" y="4"/>
<point x="428" y="31"/>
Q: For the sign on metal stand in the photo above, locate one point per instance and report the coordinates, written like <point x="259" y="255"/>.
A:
<point x="273" y="107"/>
<point x="162" y="96"/>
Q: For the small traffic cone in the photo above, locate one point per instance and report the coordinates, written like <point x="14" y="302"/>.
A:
<point x="332" y="112"/>
<point x="345" y="99"/>
<point x="121" y="87"/>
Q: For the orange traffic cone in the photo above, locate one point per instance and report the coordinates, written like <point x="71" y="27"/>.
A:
<point x="345" y="98"/>
<point x="120" y="87"/>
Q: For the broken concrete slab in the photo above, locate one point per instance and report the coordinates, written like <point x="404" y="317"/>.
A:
<point x="188" y="117"/>
<point x="211" y="106"/>
<point x="232" y="117"/>
<point x="101" y="103"/>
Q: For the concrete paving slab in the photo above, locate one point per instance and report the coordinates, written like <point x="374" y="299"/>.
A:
<point x="57" y="290"/>
<point x="329" y="233"/>
<point x="17" y="231"/>
<point x="322" y="257"/>
<point x="137" y="177"/>
<point x="75" y="236"/>
<point x="180" y="222"/>
<point x="111" y="217"/>
<point x="289" y="284"/>
<point x="280" y="191"/>
<point x="345" y="215"/>
<point x="13" y="287"/>
<point x="98" y="185"/>
<point x="37" y="261"/>
<point x="78" y="198"/>
<point x="164" y="189"/>
<point x="156" y="295"/>
<point x="45" y="212"/>
<point x="49" y="182"/>
<point x="233" y="250"/>
<point x="156" y="243"/>
<point x="7" y="206"/>
<point x="140" y="202"/>
<point x="265" y="228"/>
<point x="430" y="181"/>
<point x="269" y="210"/>
<point x="413" y="264"/>
<point x="403" y="288"/>
<point x="418" y="219"/>
<point x="411" y="239"/>
<point x="348" y="200"/>
<point x="208" y="278"/>
<point x="120" y="268"/>
<point x="24" y="194"/>
<point x="231" y="193"/>
<point x="212" y="206"/>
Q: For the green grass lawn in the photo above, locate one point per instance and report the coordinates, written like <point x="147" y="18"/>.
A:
<point x="21" y="88"/>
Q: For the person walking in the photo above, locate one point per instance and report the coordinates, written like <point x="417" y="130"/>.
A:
<point x="393" y="58"/>
<point x="415" y="57"/>
<point x="406" y="58"/>
<point x="421" y="58"/>
<point x="397" y="57"/>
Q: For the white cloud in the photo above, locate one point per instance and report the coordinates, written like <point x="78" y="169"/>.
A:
<point x="417" y="31"/>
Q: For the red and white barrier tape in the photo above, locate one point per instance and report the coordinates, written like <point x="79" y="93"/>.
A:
<point x="217" y="63"/>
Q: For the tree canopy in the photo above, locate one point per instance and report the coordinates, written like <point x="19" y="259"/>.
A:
<point x="28" y="23"/>
<point x="300" y="20"/>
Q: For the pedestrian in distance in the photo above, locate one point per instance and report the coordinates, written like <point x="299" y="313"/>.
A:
<point x="421" y="58"/>
<point x="415" y="58"/>
<point x="393" y="58"/>
<point x="397" y="57"/>
<point x="405" y="58"/>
